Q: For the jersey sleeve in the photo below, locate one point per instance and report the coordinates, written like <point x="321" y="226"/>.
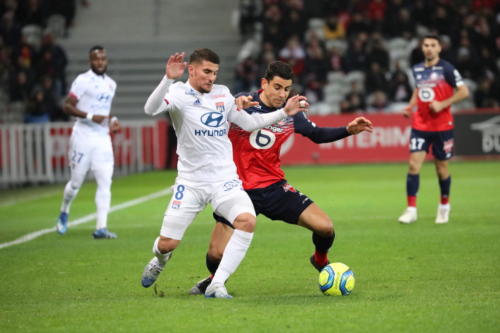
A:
<point x="161" y="99"/>
<point x="452" y="76"/>
<point x="78" y="87"/>
<point x="251" y="122"/>
<point x="113" y="84"/>
<point x="317" y="134"/>
<point x="411" y="78"/>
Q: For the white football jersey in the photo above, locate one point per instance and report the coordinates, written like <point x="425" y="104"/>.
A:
<point x="95" y="94"/>
<point x="200" y="122"/>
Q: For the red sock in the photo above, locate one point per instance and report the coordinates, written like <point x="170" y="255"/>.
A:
<point x="321" y="258"/>
<point x="445" y="200"/>
<point x="412" y="200"/>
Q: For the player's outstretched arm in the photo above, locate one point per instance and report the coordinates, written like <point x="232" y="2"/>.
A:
<point x="319" y="134"/>
<point x="251" y="122"/>
<point x="174" y="68"/>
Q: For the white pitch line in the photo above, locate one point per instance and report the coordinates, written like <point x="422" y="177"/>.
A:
<point x="86" y="218"/>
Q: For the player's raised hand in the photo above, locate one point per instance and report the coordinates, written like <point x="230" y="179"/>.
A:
<point x="175" y="65"/>
<point x="359" y="125"/>
<point x="244" y="102"/>
<point x="296" y="104"/>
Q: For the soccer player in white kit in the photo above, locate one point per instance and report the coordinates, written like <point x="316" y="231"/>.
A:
<point x="200" y="112"/>
<point x="90" y="100"/>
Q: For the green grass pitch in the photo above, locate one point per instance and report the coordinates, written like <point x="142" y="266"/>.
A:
<point x="409" y="278"/>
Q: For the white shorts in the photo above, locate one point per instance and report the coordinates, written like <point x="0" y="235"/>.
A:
<point x="228" y="199"/>
<point x="90" y="153"/>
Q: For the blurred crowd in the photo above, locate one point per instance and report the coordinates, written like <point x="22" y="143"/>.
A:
<point x="355" y="55"/>
<point x="347" y="55"/>
<point x="32" y="64"/>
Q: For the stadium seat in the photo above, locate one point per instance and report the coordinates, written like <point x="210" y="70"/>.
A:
<point x="56" y="24"/>
<point x="356" y="76"/>
<point x="33" y="35"/>
<point x="336" y="77"/>
<point x="339" y="44"/>
<point x="396" y="107"/>
<point x="397" y="44"/>
<point x="472" y="85"/>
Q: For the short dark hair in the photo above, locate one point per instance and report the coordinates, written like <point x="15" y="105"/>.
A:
<point x="199" y="55"/>
<point x="96" y="48"/>
<point x="431" y="36"/>
<point x="279" y="68"/>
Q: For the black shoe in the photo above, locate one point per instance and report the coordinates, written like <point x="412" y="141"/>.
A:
<point x="200" y="287"/>
<point x="315" y="264"/>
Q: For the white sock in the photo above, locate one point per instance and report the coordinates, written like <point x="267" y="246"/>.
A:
<point x="162" y="257"/>
<point x="234" y="253"/>
<point x="70" y="193"/>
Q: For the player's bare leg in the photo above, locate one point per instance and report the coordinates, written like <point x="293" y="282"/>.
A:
<point x="316" y="220"/>
<point x="443" y="211"/>
<point x="412" y="185"/>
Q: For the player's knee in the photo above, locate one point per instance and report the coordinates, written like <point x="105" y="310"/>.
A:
<point x="103" y="192"/>
<point x="166" y="244"/>
<point x="76" y="183"/>
<point x="442" y="171"/>
<point x="245" y="222"/>
<point x="104" y="183"/>
<point x="325" y="229"/>
<point x="413" y="167"/>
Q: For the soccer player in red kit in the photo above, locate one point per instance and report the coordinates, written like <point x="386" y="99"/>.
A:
<point x="257" y="157"/>
<point x="438" y="86"/>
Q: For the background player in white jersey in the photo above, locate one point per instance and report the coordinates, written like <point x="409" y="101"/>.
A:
<point x="200" y="112"/>
<point x="90" y="100"/>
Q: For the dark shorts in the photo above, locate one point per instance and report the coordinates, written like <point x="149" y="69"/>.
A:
<point x="279" y="201"/>
<point x="441" y="142"/>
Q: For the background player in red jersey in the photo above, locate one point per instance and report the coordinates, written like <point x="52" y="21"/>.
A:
<point x="438" y="86"/>
<point x="257" y="157"/>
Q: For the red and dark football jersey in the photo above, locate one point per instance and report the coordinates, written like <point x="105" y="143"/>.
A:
<point x="257" y="153"/>
<point x="434" y="83"/>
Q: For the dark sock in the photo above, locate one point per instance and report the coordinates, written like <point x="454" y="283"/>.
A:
<point x="444" y="185"/>
<point x="212" y="264"/>
<point x="412" y="184"/>
<point x="322" y="245"/>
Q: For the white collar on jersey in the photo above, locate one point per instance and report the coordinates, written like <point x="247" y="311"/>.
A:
<point x="94" y="74"/>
